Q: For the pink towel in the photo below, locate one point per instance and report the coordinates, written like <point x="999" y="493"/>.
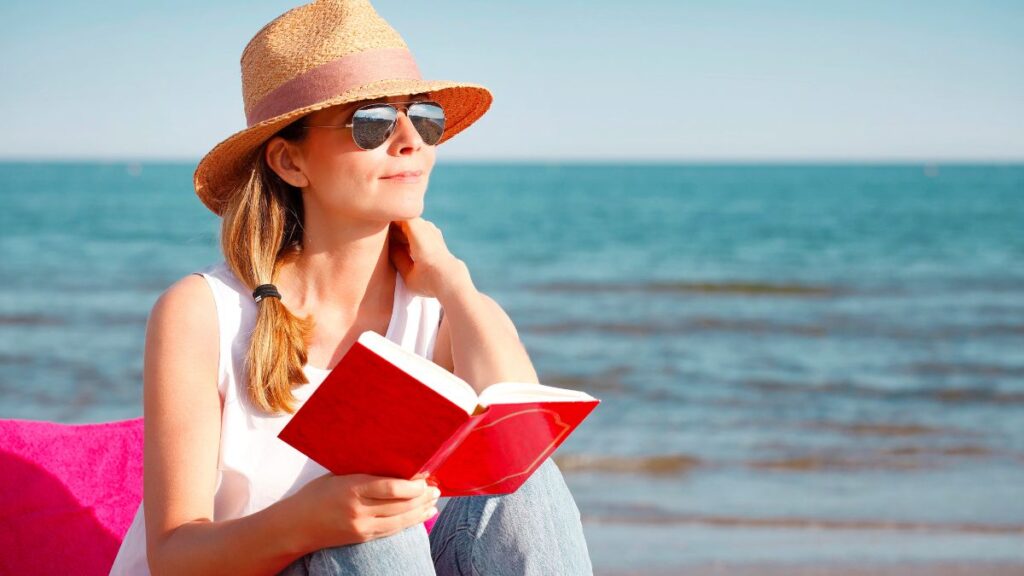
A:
<point x="67" y="494"/>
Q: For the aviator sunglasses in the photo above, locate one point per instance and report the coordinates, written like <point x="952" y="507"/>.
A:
<point x="373" y="124"/>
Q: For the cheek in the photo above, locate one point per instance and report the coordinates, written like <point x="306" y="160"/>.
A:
<point x="330" y="168"/>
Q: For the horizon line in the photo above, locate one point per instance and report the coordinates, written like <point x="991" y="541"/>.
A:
<point x="569" y="160"/>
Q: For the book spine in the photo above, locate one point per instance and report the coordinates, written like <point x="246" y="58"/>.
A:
<point x="451" y="444"/>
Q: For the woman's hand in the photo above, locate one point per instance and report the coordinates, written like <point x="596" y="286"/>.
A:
<point x="340" y="510"/>
<point x="419" y="253"/>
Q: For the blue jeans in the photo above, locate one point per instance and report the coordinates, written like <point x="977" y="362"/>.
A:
<point x="534" y="530"/>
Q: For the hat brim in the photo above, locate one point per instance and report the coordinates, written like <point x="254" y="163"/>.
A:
<point x="230" y="162"/>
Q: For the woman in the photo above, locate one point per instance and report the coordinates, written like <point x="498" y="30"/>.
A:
<point x="321" y="199"/>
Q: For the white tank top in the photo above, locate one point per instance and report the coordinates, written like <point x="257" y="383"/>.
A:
<point x="255" y="468"/>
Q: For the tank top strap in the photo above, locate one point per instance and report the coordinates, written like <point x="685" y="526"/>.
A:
<point x="234" y="314"/>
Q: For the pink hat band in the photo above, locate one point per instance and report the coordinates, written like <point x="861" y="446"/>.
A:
<point x="333" y="79"/>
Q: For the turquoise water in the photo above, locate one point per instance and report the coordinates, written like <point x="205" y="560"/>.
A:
<point x="797" y="362"/>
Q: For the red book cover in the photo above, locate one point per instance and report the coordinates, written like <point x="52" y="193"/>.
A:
<point x="386" y="411"/>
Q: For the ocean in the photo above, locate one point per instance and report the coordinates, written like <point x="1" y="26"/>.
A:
<point x="797" y="363"/>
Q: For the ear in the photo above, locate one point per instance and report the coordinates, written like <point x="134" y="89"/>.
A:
<point x="284" y="159"/>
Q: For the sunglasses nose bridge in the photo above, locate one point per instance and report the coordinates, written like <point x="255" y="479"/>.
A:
<point x="403" y="110"/>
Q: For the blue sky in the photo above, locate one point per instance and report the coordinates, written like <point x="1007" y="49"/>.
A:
<point x="572" y="80"/>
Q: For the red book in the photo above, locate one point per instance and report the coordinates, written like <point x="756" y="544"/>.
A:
<point x="386" y="411"/>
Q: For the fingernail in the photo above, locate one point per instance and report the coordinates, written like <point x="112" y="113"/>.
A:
<point x="435" y="493"/>
<point x="432" y="511"/>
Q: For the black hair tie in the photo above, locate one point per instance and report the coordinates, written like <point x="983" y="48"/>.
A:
<point x="265" y="291"/>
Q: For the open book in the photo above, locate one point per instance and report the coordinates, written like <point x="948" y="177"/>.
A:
<point x="387" y="411"/>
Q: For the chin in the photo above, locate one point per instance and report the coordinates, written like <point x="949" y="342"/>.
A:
<point x="409" y="209"/>
<point x="409" y="214"/>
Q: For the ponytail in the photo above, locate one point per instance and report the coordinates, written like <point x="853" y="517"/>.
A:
<point x="261" y="230"/>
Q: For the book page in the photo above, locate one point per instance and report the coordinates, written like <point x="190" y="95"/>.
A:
<point x="516" y="392"/>
<point x="455" y="389"/>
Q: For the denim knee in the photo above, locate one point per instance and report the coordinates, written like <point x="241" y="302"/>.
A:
<point x="405" y="552"/>
<point x="534" y="530"/>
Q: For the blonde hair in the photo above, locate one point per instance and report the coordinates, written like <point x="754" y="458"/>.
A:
<point x="261" y="230"/>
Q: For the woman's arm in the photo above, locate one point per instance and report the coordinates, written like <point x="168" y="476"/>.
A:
<point x="182" y="439"/>
<point x="484" y="344"/>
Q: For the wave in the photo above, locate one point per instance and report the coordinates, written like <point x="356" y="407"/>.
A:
<point x="121" y="319"/>
<point x="943" y="395"/>
<point x="103" y="319"/>
<point x="896" y="458"/>
<point x="657" y="465"/>
<point x="8" y="359"/>
<point x="834" y="462"/>
<point x="964" y="369"/>
<point x="961" y="450"/>
<point x="646" y="515"/>
<point x="679" y="287"/>
<point x="876" y="428"/>
<point x="609" y="380"/>
<point x="837" y="328"/>
<point x="680" y="327"/>
<point x="31" y="319"/>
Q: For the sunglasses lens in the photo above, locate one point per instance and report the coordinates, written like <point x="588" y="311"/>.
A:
<point x="428" y="118"/>
<point x="372" y="125"/>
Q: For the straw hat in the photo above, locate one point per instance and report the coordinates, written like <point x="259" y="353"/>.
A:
<point x="318" y="55"/>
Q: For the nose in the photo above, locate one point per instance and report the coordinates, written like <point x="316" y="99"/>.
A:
<point x="405" y="139"/>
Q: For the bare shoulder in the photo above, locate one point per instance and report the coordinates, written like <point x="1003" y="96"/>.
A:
<point x="190" y="294"/>
<point x="181" y="407"/>
<point x="182" y="342"/>
<point x="185" y="315"/>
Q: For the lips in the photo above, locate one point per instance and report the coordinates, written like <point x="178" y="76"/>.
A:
<point x="406" y="174"/>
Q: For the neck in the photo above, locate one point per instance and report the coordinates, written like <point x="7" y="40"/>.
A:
<point x="341" y="269"/>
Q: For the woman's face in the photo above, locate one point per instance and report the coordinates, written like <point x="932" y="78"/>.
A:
<point x="339" y="179"/>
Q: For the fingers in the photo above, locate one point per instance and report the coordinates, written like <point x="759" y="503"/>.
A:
<point x="416" y="231"/>
<point x="399" y="522"/>
<point x="409" y="229"/>
<point x="382" y="488"/>
<point x="400" y="257"/>
<point x="386" y="508"/>
<point x="398" y="233"/>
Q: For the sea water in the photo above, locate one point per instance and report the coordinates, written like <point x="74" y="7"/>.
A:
<point x="796" y="362"/>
